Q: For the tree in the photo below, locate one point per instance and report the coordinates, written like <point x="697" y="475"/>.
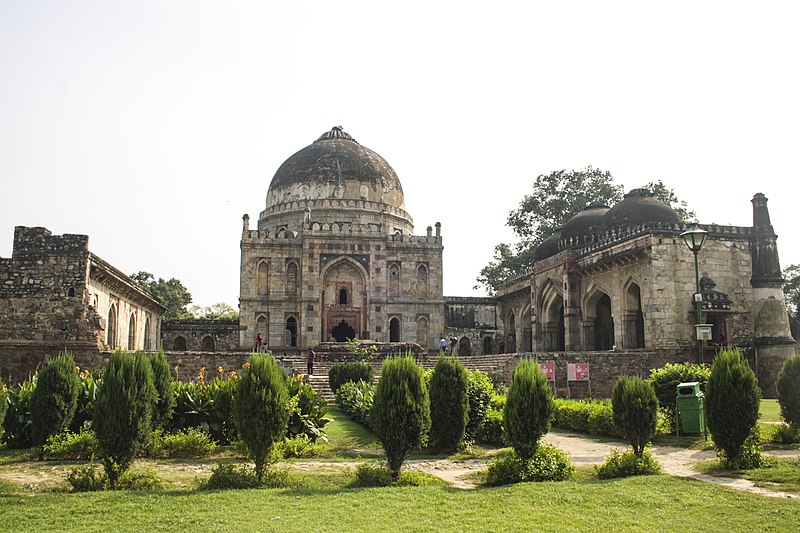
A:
<point x="54" y="400"/>
<point x="449" y="404"/>
<point x="635" y="409"/>
<point x="557" y="197"/>
<point x="732" y="402"/>
<point x="261" y="408"/>
<point x="400" y="414"/>
<point x="529" y="404"/>
<point x="162" y="380"/>
<point x="172" y="294"/>
<point x="218" y="311"/>
<point x="792" y="291"/>
<point x="123" y="411"/>
<point x="789" y="391"/>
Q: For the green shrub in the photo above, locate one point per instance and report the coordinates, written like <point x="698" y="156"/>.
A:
<point x="140" y="480"/>
<point x="400" y="415"/>
<point x="54" y="399"/>
<point x="162" y="380"/>
<point x="785" y="434"/>
<point x="68" y="445"/>
<point x="355" y="398"/>
<point x="231" y="476"/>
<point x="595" y="417"/>
<point x="448" y="405"/>
<point x="479" y="395"/>
<point x="547" y="464"/>
<point x="261" y="408"/>
<point x="491" y="431"/>
<point x="86" y="479"/>
<point x="341" y="373"/>
<point x="87" y="394"/>
<point x="601" y="420"/>
<point x="628" y="464"/>
<point x="208" y="406"/>
<point x="635" y="407"/>
<point x="299" y="446"/>
<point x="3" y="405"/>
<point x="789" y="390"/>
<point x="665" y="381"/>
<point x="123" y="409"/>
<point x="749" y="456"/>
<point x="307" y="415"/>
<point x="187" y="443"/>
<point x="732" y="403"/>
<point x="372" y="475"/>
<point x="17" y="424"/>
<point x="529" y="404"/>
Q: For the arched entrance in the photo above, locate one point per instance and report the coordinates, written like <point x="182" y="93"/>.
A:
<point x="291" y="331"/>
<point x="394" y="330"/>
<point x="603" y="325"/>
<point x="464" y="347"/>
<point x="487" y="345"/>
<point x="342" y="332"/>
<point x="111" y="327"/>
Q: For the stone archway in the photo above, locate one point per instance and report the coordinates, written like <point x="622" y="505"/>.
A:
<point x="343" y="331"/>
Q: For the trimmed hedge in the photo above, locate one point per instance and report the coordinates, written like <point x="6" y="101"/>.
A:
<point x="341" y="373"/>
<point x="665" y="381"/>
<point x="594" y="417"/>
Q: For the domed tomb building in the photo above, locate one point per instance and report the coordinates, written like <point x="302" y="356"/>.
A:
<point x="334" y="256"/>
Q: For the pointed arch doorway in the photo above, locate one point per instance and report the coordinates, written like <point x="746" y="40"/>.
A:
<point x="343" y="331"/>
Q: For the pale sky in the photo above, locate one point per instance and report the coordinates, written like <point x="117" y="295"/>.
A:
<point x="153" y="126"/>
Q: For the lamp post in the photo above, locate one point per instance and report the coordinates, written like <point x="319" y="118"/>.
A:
<point x="694" y="238"/>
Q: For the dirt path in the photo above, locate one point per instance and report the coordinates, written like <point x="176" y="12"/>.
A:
<point x="585" y="451"/>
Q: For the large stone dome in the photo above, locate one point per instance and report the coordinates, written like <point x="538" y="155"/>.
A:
<point x="576" y="227"/>
<point x="336" y="167"/>
<point x="638" y="207"/>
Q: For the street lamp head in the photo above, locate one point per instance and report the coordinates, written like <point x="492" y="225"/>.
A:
<point x="694" y="238"/>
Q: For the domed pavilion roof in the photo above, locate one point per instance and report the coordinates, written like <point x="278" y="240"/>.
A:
<point x="591" y="216"/>
<point x="638" y="207"/>
<point x="548" y="247"/>
<point x="336" y="167"/>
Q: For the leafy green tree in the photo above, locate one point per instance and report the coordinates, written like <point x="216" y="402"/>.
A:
<point x="789" y="391"/>
<point x="557" y="197"/>
<point x="635" y="409"/>
<point x="172" y="294"/>
<point x="162" y="380"/>
<point x="261" y="408"/>
<point x="665" y="381"/>
<point x="449" y="404"/>
<point x="732" y="402"/>
<point x="218" y="311"/>
<point x="400" y="415"/>
<point x="792" y="291"/>
<point x="54" y="399"/>
<point x="123" y="411"/>
<point x="529" y="404"/>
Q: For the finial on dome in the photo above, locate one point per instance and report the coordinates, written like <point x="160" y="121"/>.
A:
<point x="336" y="133"/>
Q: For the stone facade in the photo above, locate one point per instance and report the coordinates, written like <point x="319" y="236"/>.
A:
<point x="631" y="286"/>
<point x="334" y="255"/>
<point x="473" y="321"/>
<point x="55" y="294"/>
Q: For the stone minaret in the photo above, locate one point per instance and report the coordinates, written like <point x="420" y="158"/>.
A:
<point x="772" y="335"/>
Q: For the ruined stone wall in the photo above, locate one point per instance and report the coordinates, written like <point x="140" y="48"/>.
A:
<point x="202" y="335"/>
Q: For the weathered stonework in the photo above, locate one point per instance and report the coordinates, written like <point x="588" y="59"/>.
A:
<point x="201" y="335"/>
<point x="55" y="294"/>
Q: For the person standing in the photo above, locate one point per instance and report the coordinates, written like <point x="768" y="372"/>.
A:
<point x="442" y="345"/>
<point x="453" y="343"/>
<point x="310" y="363"/>
<point x="259" y="340"/>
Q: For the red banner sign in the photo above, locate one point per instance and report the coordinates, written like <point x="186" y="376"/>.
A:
<point x="578" y="371"/>
<point x="549" y="370"/>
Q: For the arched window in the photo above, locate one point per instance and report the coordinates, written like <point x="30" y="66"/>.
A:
<point x="422" y="280"/>
<point x="132" y="333"/>
<point x="343" y="296"/>
<point x="291" y="331"/>
<point x="603" y="324"/>
<point x="208" y="344"/>
<point x="71" y="291"/>
<point x="422" y="332"/>
<point x="262" y="278"/>
<point x="394" y="279"/>
<point x="147" y="336"/>
<point x="111" y="327"/>
<point x="179" y="344"/>
<point x="394" y="330"/>
<point x="634" y="319"/>
<point x="291" y="279"/>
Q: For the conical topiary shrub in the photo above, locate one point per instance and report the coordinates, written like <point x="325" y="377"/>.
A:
<point x="449" y="404"/>
<point x="526" y="416"/>
<point x="54" y="400"/>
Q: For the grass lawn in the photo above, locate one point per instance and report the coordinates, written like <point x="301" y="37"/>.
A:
<point x="783" y="476"/>
<point x="770" y="411"/>
<point x="656" y="503"/>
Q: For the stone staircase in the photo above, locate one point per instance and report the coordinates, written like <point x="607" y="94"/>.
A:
<point x="332" y="353"/>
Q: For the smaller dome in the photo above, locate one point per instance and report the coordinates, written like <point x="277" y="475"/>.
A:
<point x="547" y="248"/>
<point x="638" y="207"/>
<point x="577" y="226"/>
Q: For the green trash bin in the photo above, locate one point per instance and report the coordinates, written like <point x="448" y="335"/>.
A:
<point x="690" y="409"/>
